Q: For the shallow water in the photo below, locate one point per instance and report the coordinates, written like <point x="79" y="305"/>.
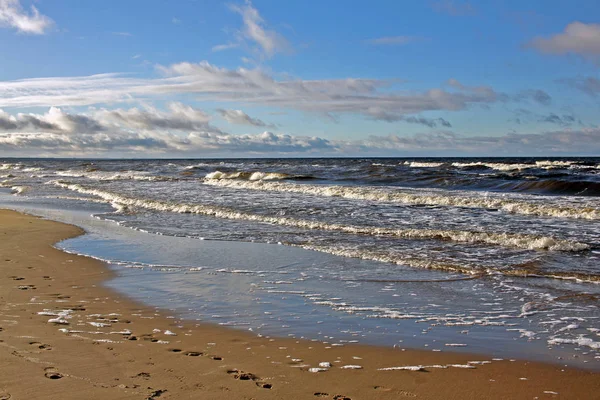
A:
<point x="375" y="251"/>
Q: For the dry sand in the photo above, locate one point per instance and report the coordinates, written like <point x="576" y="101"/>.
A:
<point x="65" y="336"/>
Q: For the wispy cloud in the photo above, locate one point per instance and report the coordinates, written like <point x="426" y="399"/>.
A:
<point x="176" y="21"/>
<point x="561" y="142"/>
<point x="372" y="98"/>
<point x="577" y="38"/>
<point x="430" y="122"/>
<point x="564" y="120"/>
<point x="394" y="40"/>
<point x="254" y="29"/>
<point x="587" y="84"/>
<point x="241" y="118"/>
<point x="454" y="8"/>
<point x="222" y="47"/>
<point x="12" y="15"/>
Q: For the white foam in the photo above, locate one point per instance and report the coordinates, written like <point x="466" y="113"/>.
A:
<point x="251" y="176"/>
<point x="523" y="241"/>
<point x="414" y="197"/>
<point x="579" y="341"/>
<point x="351" y="367"/>
<point x="416" y="164"/>
<point x="99" y="324"/>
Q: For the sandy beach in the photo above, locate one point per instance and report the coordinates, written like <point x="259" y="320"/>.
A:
<point x="65" y="336"/>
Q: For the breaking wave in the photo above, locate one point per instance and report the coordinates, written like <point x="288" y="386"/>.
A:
<point x="521" y="241"/>
<point x="412" y="198"/>
<point x="252" y="176"/>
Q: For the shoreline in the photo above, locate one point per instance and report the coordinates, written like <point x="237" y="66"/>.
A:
<point x="95" y="352"/>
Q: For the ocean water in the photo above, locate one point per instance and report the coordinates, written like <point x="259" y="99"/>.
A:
<point x="495" y="255"/>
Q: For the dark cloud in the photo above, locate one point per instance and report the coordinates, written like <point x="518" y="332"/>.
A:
<point x="587" y="84"/>
<point x="564" y="120"/>
<point x="430" y="122"/>
<point x="537" y="95"/>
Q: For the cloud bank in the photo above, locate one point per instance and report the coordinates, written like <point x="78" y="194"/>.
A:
<point x="186" y="131"/>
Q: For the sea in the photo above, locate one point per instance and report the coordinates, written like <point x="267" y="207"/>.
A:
<point x="498" y="256"/>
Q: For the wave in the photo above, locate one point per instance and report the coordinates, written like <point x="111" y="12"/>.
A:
<point x="16" y="190"/>
<point x="110" y="176"/>
<point x="544" y="164"/>
<point x="252" y="176"/>
<point x="404" y="197"/>
<point x="522" y="241"/>
<point x="471" y="270"/>
<point x="416" y="164"/>
<point x="554" y="186"/>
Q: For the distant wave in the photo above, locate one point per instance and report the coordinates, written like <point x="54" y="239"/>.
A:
<point x="404" y="197"/>
<point x="554" y="186"/>
<point x="113" y="176"/>
<point x="522" y="241"/>
<point x="417" y="164"/>
<point x="252" y="175"/>
<point x="547" y="164"/>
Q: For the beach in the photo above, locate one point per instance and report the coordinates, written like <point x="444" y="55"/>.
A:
<point x="64" y="335"/>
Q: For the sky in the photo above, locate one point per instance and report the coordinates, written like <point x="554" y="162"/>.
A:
<point x="266" y="78"/>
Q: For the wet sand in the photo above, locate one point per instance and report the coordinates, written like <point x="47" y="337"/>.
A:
<point x="63" y="335"/>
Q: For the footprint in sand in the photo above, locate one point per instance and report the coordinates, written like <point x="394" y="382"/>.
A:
<point x="143" y="375"/>
<point x="321" y="394"/>
<point x="26" y="287"/>
<point x="41" y="346"/>
<point x="341" y="397"/>
<point x="248" y="376"/>
<point x="4" y="395"/>
<point x="403" y="393"/>
<point x="156" y="394"/>
<point x="175" y="350"/>
<point x="192" y="353"/>
<point x="51" y="373"/>
<point x="16" y="278"/>
<point x="216" y="358"/>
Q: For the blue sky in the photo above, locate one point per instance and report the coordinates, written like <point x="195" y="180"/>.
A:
<point x="306" y="78"/>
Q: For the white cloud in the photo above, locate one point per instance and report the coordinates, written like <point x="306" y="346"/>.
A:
<point x="241" y="118"/>
<point x="12" y="15"/>
<point x="180" y="130"/>
<point x="222" y="47"/>
<point x="254" y="29"/>
<point x="394" y="40"/>
<point x="578" y="38"/>
<point x="180" y="117"/>
<point x="183" y="130"/>
<point x="371" y="98"/>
